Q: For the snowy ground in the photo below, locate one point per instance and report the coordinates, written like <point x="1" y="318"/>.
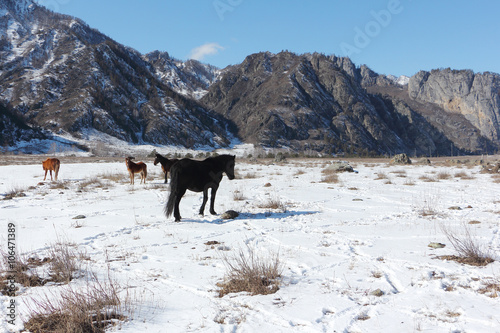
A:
<point x="338" y="243"/>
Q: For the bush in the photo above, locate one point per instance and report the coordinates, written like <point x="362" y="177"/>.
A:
<point x="84" y="311"/>
<point x="469" y="250"/>
<point x="250" y="273"/>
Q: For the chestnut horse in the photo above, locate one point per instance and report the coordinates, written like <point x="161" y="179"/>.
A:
<point x="166" y="164"/>
<point x="197" y="176"/>
<point x="51" y="164"/>
<point x="134" y="168"/>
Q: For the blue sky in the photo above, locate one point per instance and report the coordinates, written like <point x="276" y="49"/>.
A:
<point x="398" y="37"/>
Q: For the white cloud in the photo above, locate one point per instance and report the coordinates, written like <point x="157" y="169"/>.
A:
<point x="200" y="52"/>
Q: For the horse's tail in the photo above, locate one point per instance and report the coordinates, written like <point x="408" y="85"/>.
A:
<point x="169" y="207"/>
<point x="57" y="165"/>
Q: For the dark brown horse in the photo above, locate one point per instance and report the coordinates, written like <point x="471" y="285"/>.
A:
<point x="197" y="176"/>
<point x="51" y="164"/>
<point x="134" y="168"/>
<point x="166" y="164"/>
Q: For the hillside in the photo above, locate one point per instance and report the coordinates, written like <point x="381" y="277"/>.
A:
<point x="60" y="74"/>
<point x="62" y="77"/>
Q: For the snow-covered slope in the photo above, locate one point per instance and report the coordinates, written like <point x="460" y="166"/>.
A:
<point x="355" y="254"/>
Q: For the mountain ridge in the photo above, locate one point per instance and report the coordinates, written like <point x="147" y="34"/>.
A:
<point x="59" y="75"/>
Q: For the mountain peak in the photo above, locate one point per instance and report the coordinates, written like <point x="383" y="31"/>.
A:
<point x="18" y="6"/>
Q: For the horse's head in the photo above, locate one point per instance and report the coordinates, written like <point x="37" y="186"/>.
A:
<point x="157" y="160"/>
<point x="129" y="159"/>
<point x="229" y="170"/>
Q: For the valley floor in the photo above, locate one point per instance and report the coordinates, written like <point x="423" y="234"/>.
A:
<point x="355" y="251"/>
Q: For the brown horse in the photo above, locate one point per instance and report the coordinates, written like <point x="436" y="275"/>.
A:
<point x="134" y="168"/>
<point x="166" y="164"/>
<point x="51" y="164"/>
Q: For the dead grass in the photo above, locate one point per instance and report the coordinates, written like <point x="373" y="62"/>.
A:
<point x="59" y="185"/>
<point x="89" y="310"/>
<point x="330" y="176"/>
<point x="248" y="175"/>
<point x="93" y="182"/>
<point x="273" y="203"/>
<point x="21" y="270"/>
<point x="248" y="272"/>
<point x="469" y="250"/>
<point x="381" y="175"/>
<point x="443" y="175"/>
<point x="428" y="179"/>
<point x="62" y="260"/>
<point x="15" y="192"/>
<point x="464" y="175"/>
<point x="116" y="177"/>
<point x="238" y="195"/>
<point x="495" y="178"/>
<point x="491" y="288"/>
<point x="400" y="173"/>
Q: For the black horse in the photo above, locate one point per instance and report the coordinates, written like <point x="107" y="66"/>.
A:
<point x="166" y="164"/>
<point x="197" y="176"/>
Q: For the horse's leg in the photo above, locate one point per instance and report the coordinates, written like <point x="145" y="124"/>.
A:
<point x="212" y="200"/>
<point x="45" y="174"/>
<point x="131" y="174"/>
<point x="205" y="199"/>
<point x="177" y="213"/>
<point x="50" y="175"/>
<point x="166" y="177"/>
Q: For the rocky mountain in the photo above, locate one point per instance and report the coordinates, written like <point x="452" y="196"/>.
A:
<point x="328" y="104"/>
<point x="190" y="78"/>
<point x="475" y="96"/>
<point x="59" y="74"/>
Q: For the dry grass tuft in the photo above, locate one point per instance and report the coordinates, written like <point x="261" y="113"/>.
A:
<point x="469" y="250"/>
<point x="15" y="192"/>
<point x="443" y="175"/>
<point x="330" y="176"/>
<point x="463" y="175"/>
<point x="238" y="195"/>
<point x="117" y="177"/>
<point x="273" y="203"/>
<point x="90" y="310"/>
<point x="248" y="175"/>
<point x="248" y="272"/>
<point x="93" y="182"/>
<point x="427" y="179"/>
<point x="491" y="288"/>
<point x="381" y="175"/>
<point x="62" y="261"/>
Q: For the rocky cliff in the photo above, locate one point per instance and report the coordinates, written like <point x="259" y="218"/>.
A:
<point x="317" y="102"/>
<point x="475" y="96"/>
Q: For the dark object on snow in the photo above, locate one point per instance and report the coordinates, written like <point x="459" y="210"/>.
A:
<point x="229" y="215"/>
<point x="197" y="176"/>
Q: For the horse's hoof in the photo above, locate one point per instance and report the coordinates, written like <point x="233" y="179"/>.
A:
<point x="213" y="213"/>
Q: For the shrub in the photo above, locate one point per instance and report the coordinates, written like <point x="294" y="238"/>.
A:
<point x="250" y="273"/>
<point x="90" y="310"/>
<point x="469" y="250"/>
<point x="273" y="203"/>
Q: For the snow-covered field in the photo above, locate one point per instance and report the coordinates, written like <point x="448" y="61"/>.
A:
<point x="338" y="242"/>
